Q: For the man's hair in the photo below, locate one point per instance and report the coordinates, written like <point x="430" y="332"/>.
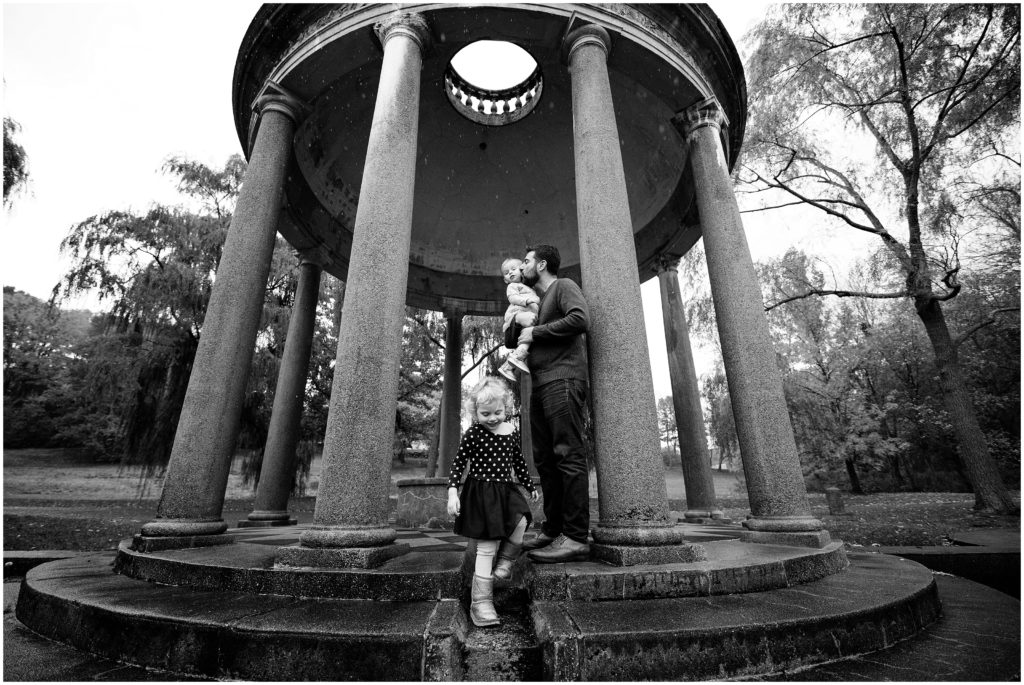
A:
<point x="547" y="253"/>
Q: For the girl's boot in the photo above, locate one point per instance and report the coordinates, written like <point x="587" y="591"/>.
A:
<point x="507" y="555"/>
<point x="481" y="607"/>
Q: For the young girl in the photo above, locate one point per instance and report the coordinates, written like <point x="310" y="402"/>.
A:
<point x="491" y="508"/>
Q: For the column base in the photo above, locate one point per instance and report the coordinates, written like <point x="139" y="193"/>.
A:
<point x="337" y="557"/>
<point x="339" y="536"/>
<point x="646" y="534"/>
<point x="267" y="523"/>
<point x="783" y="524"/>
<point x="183" y="527"/>
<point x="815" y="538"/>
<point x="625" y="555"/>
<point x="705" y="516"/>
<point x="155" y="543"/>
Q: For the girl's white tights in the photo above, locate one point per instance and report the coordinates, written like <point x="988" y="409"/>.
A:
<point x="485" y="551"/>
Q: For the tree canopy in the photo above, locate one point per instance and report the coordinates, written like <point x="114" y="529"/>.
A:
<point x="156" y="269"/>
<point x="899" y="121"/>
<point x="15" y="160"/>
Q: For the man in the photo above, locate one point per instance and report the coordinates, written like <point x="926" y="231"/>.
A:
<point x="558" y="365"/>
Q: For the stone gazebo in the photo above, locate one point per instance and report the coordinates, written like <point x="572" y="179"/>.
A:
<point x="384" y="166"/>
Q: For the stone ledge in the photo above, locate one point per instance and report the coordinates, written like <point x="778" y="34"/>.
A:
<point x="817" y="539"/>
<point x="229" y="635"/>
<point x="731" y="567"/>
<point x="337" y="557"/>
<point x="622" y="555"/>
<point x="996" y="567"/>
<point x="876" y="603"/>
<point x="249" y="568"/>
<point x="19" y="562"/>
<point x="275" y="523"/>
<point x="147" y="543"/>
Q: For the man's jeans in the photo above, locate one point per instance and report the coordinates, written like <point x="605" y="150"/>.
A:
<point x="556" y="424"/>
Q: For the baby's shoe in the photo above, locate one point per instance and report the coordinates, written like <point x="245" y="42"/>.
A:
<point x="506" y="371"/>
<point x="518" y="363"/>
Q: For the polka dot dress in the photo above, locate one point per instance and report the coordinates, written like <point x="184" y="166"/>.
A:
<point x="491" y="503"/>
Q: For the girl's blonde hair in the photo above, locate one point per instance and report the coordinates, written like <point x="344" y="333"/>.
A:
<point x="486" y="391"/>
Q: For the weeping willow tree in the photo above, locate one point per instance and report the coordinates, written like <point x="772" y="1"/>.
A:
<point x="155" y="270"/>
<point x="15" y="161"/>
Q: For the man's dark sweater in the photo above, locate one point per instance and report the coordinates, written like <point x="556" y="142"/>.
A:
<point x="559" y="349"/>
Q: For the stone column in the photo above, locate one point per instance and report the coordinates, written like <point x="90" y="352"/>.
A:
<point x="351" y="518"/>
<point x="197" y="474"/>
<point x="693" y="444"/>
<point x="278" y="469"/>
<point x="630" y="474"/>
<point x="775" y="484"/>
<point x="451" y="395"/>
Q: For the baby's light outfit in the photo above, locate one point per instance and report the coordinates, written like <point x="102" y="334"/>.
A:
<point x="520" y="297"/>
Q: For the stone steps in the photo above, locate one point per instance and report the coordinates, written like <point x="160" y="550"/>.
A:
<point x="507" y="652"/>
<point x="875" y="603"/>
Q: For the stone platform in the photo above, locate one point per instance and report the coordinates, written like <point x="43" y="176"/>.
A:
<point x="437" y="570"/>
<point x="748" y="609"/>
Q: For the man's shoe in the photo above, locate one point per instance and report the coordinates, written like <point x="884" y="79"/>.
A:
<point x="561" y="550"/>
<point x="542" y="539"/>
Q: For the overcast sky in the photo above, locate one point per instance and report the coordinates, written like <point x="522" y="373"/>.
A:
<point x="104" y="93"/>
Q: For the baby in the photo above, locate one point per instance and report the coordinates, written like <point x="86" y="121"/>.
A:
<point x="523" y="307"/>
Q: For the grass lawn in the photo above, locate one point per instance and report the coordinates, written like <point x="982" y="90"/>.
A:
<point x="55" y="499"/>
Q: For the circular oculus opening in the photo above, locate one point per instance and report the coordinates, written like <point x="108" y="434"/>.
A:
<point x="493" y="82"/>
<point x="493" y="64"/>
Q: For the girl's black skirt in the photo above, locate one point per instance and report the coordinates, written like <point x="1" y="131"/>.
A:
<point x="490" y="510"/>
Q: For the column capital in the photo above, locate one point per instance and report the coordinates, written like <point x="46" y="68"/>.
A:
<point x="275" y="98"/>
<point x="316" y="256"/>
<point x="666" y="262"/>
<point x="707" y="112"/>
<point x="590" y="34"/>
<point x="411" y="24"/>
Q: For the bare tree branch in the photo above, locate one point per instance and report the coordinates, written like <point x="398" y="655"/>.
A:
<point x="837" y="293"/>
<point x="483" y="357"/>
<point x="967" y="334"/>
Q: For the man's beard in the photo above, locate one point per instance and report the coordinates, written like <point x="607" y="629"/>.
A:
<point x="530" y="280"/>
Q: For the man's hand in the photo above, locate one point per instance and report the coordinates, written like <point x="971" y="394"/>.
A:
<point x="454" y="506"/>
<point x="526" y="337"/>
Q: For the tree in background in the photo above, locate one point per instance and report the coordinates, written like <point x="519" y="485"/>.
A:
<point x="934" y="88"/>
<point x="721" y="424"/>
<point x="156" y="269"/>
<point x="667" y="430"/>
<point x="40" y="344"/>
<point x="15" y="161"/>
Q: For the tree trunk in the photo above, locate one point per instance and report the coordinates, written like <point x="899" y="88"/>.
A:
<point x="989" y="491"/>
<point x="855" y="486"/>
<point x="435" y="443"/>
